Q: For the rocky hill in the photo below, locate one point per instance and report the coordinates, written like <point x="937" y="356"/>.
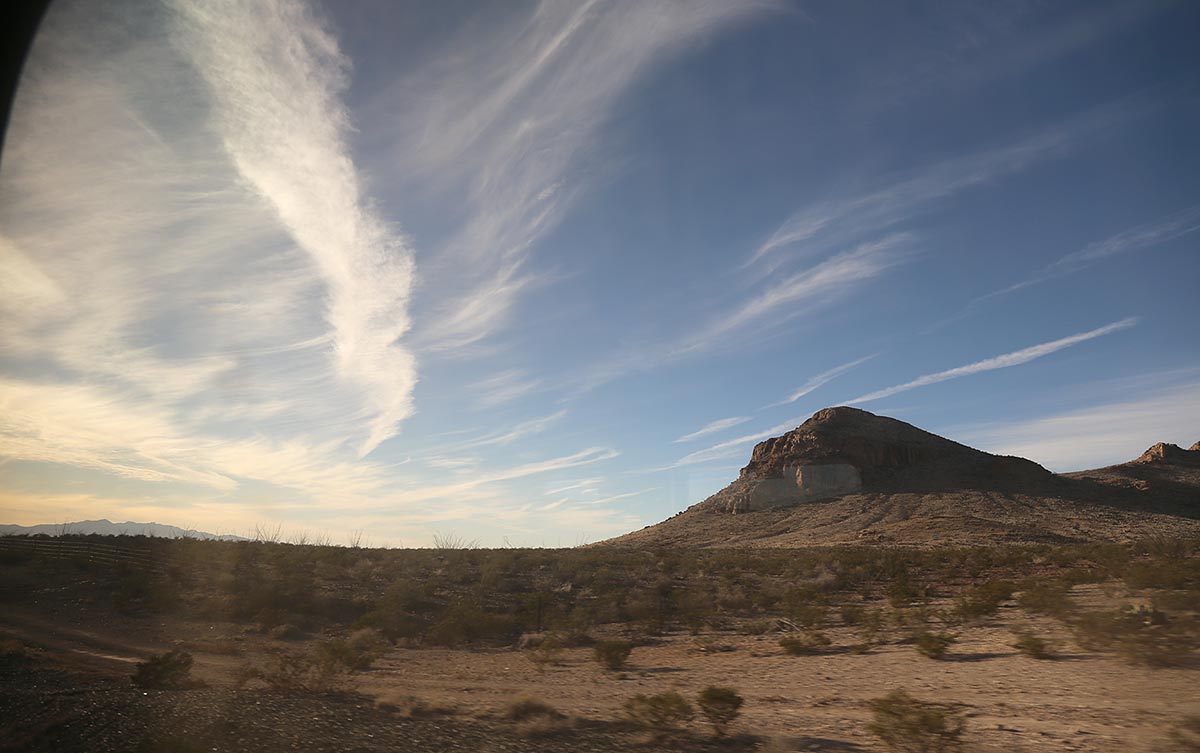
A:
<point x="849" y="476"/>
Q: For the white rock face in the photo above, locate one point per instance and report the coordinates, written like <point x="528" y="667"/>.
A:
<point x="804" y="483"/>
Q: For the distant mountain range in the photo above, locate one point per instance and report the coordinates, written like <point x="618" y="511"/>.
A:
<point x="849" y="476"/>
<point x="109" y="528"/>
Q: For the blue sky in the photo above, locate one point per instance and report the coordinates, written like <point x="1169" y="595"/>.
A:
<point x="542" y="273"/>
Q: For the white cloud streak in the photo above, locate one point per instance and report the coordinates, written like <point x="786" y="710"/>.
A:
<point x="1016" y="358"/>
<point x="712" y="428"/>
<point x="832" y="223"/>
<point x="732" y="447"/>
<point x="1144" y="236"/>
<point x="276" y="78"/>
<point x="509" y="119"/>
<point x="820" y="380"/>
<point x="1099" y="435"/>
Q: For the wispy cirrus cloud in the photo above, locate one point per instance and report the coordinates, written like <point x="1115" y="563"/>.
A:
<point x="731" y="447"/>
<point x="712" y="428"/>
<point x="276" y="77"/>
<point x="509" y="117"/>
<point x="822" y="379"/>
<point x="1149" y="235"/>
<point x="805" y="291"/>
<point x="839" y="222"/>
<point x="1016" y="358"/>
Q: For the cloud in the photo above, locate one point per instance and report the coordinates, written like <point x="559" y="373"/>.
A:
<point x="821" y="380"/>
<point x="507" y="116"/>
<point x="1016" y="358"/>
<point x="1144" y="236"/>
<point x="1102" y="434"/>
<point x="503" y="387"/>
<point x="712" y="428"/>
<point x="732" y="447"/>
<point x="582" y="484"/>
<point x="838" y="222"/>
<point x="803" y="291"/>
<point x="276" y="78"/>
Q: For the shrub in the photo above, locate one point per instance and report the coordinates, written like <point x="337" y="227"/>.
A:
<point x="720" y="706"/>
<point x="412" y="707"/>
<point x="983" y="601"/>
<point x="612" y="655"/>
<point x="169" y="671"/>
<point x="1049" y="597"/>
<point x="1031" y="645"/>
<point x="934" y="645"/>
<point x="905" y="724"/>
<point x="661" y="714"/>
<point x="757" y="627"/>
<point x="804" y="643"/>
<point x="358" y="651"/>
<point x="313" y="672"/>
<point x="528" y="708"/>
<point x="1186" y="735"/>
<point x="852" y="614"/>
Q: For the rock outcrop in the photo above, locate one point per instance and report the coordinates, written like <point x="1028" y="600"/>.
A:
<point x="847" y="476"/>
<point x="843" y="451"/>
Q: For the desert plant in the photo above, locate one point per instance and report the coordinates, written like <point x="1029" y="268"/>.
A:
<point x="1030" y="644"/>
<point x="1049" y="597"/>
<point x="358" y="651"/>
<point x="613" y="654"/>
<point x="805" y="643"/>
<point x="312" y="672"/>
<point x="720" y="705"/>
<point x="661" y="714"/>
<point x="906" y="724"/>
<point x="1185" y="736"/>
<point x="169" y="671"/>
<point x="413" y="707"/>
<point x="934" y="645"/>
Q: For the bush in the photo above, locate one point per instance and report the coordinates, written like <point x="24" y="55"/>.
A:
<point x="661" y="714"/>
<point x="169" y="671"/>
<point x="1186" y="735"/>
<point x="529" y="708"/>
<point x="983" y="601"/>
<point x="313" y="672"/>
<point x="805" y="643"/>
<point x="612" y="655"/>
<point x="720" y="706"/>
<point x="934" y="645"/>
<point x="1049" y="597"/>
<point x="905" y="724"/>
<point x="412" y="707"/>
<point x="1031" y="645"/>
<point x="358" y="651"/>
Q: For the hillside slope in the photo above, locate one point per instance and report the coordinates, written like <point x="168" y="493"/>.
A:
<point x="849" y="476"/>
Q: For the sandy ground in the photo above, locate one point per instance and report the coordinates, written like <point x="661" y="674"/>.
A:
<point x="1079" y="701"/>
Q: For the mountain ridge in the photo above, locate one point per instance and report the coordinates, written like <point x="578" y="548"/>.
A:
<point x="850" y="476"/>
<point x="105" y="527"/>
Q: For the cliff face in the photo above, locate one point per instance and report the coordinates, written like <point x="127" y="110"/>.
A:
<point x="843" y="451"/>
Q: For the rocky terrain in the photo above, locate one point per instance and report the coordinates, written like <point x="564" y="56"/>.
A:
<point x="847" y="475"/>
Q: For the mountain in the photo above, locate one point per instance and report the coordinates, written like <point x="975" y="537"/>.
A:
<point x="849" y="476"/>
<point x="109" y="528"/>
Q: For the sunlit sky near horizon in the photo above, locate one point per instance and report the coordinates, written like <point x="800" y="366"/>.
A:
<point x="540" y="273"/>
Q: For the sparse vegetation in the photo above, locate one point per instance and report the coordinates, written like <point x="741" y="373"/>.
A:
<point x="720" y="706"/>
<point x="934" y="645"/>
<point x="908" y="725"/>
<point x="612" y="655"/>
<point x="661" y="715"/>
<point x="801" y="644"/>
<point x="169" y="671"/>
<point x="1030" y="644"/>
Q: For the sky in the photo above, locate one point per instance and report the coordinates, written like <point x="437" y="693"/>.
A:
<point x="541" y="273"/>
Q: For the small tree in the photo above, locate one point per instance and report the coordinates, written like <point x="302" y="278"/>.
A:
<point x="720" y="706"/>
<point x="907" y="725"/>
<point x="612" y="655"/>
